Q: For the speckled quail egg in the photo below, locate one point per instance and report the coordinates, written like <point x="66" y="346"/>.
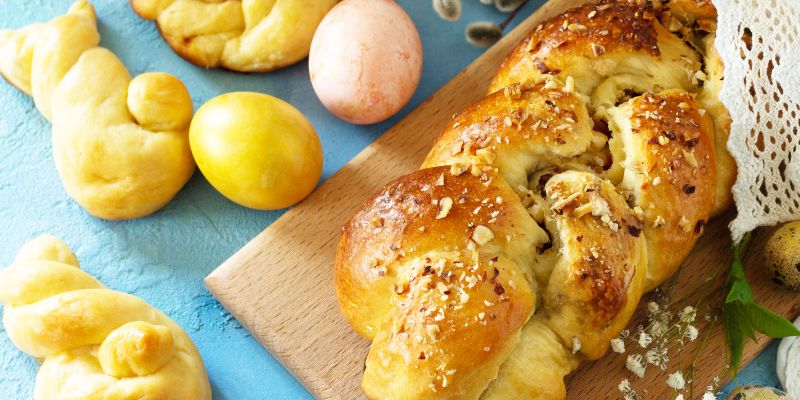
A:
<point x="782" y="256"/>
<point x="757" y="393"/>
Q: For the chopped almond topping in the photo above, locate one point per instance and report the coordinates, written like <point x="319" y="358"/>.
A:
<point x="598" y="49"/>
<point x="457" y="148"/>
<point x="440" y="180"/>
<point x="458" y="168"/>
<point x="432" y="330"/>
<point x="569" y="85"/>
<point x="689" y="157"/>
<point x="659" y="222"/>
<point x="482" y="235"/>
<point x="685" y="224"/>
<point x="445" y="205"/>
<point x="486" y="155"/>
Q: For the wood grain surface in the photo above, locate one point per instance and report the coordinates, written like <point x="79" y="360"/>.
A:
<point x="280" y="285"/>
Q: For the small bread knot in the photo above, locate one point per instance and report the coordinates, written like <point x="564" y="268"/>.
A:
<point x="47" y="248"/>
<point x="93" y="342"/>
<point x="160" y="102"/>
<point x="136" y="349"/>
<point x="84" y="9"/>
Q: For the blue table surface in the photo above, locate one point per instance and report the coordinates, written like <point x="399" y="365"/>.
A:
<point x="164" y="258"/>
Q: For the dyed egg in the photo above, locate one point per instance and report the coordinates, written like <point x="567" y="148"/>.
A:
<point x="255" y="149"/>
<point x="366" y="60"/>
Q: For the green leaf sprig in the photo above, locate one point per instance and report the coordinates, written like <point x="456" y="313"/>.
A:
<point x="743" y="316"/>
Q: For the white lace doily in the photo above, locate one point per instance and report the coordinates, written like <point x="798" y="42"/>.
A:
<point x="762" y="93"/>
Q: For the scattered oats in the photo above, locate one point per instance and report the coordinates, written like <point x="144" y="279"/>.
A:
<point x="638" y="212"/>
<point x="683" y="105"/>
<point x="576" y="344"/>
<point x="592" y="14"/>
<point x="498" y="200"/>
<point x="618" y="345"/>
<point x="482" y="235"/>
<point x="445" y="205"/>
<point x="487" y="348"/>
<point x="421" y="229"/>
<point x="663" y="140"/>
<point x="507" y="121"/>
<point x="635" y="365"/>
<point x="481" y="315"/>
<point x="488" y="303"/>
<point x="676" y="381"/>
<point x="656" y="181"/>
<point x="659" y="222"/>
<point x="701" y="111"/>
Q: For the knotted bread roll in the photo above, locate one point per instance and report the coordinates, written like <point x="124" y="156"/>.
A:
<point x="239" y="35"/>
<point x="93" y="342"/>
<point x="544" y="211"/>
<point x="120" y="145"/>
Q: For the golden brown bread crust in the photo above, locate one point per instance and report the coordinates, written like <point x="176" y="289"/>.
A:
<point x="519" y="130"/>
<point x="435" y="270"/>
<point x="594" y="288"/>
<point x="592" y="42"/>
<point x="406" y="220"/>
<point x="669" y="170"/>
<point x="605" y="139"/>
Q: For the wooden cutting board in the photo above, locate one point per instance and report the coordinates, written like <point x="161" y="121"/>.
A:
<point x="280" y="285"/>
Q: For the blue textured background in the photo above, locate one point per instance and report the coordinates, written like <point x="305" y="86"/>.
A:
<point x="164" y="258"/>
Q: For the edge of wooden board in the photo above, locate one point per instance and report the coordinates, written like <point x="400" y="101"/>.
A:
<point x="388" y="149"/>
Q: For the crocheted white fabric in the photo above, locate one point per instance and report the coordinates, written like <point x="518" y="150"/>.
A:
<point x="762" y="93"/>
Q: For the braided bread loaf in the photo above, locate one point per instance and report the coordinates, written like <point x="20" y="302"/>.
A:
<point x="94" y="343"/>
<point x="239" y="35"/>
<point x="120" y="145"/>
<point x="545" y="210"/>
